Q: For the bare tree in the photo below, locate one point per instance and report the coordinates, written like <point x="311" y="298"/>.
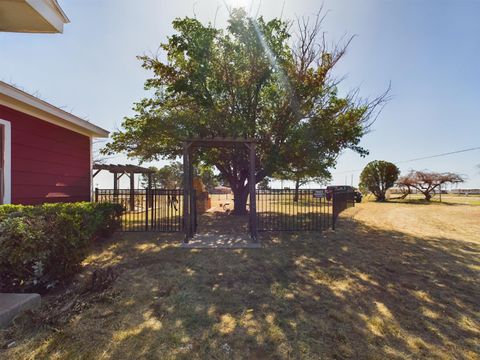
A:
<point x="98" y="157"/>
<point x="427" y="182"/>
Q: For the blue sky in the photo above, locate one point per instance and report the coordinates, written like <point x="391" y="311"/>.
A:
<point x="428" y="49"/>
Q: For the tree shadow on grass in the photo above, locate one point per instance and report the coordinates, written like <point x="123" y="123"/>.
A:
<point x="359" y="292"/>
<point x="221" y="222"/>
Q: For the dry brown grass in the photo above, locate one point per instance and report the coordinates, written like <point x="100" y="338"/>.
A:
<point x="394" y="281"/>
<point x="449" y="199"/>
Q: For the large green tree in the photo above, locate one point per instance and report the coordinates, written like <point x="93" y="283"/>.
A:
<point x="377" y="177"/>
<point x="171" y="176"/>
<point x="300" y="168"/>
<point x="207" y="175"/>
<point x="167" y="177"/>
<point x="252" y="79"/>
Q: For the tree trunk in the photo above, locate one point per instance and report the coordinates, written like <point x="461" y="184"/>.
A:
<point x="379" y="194"/>
<point x="406" y="193"/>
<point x="428" y="196"/>
<point x="297" y="187"/>
<point x="240" y="195"/>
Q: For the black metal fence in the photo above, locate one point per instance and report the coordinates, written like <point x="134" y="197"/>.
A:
<point x="277" y="209"/>
<point x="147" y="209"/>
<point x="290" y="210"/>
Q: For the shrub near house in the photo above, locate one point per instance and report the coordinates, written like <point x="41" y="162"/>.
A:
<point x="43" y="245"/>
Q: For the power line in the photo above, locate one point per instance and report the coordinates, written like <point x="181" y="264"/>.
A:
<point x="440" y="155"/>
<point x="417" y="159"/>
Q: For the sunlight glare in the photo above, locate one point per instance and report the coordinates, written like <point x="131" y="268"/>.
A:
<point x="239" y="3"/>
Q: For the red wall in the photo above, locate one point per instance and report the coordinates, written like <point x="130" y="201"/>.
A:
<point x="49" y="163"/>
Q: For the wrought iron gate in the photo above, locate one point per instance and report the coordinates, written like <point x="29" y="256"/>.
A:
<point x="162" y="210"/>
<point x="290" y="210"/>
<point x="147" y="209"/>
<point x="300" y="210"/>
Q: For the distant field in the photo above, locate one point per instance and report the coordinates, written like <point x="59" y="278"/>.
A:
<point x="168" y="217"/>
<point x="446" y="198"/>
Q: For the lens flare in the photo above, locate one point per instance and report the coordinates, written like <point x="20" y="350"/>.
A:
<point x="240" y="3"/>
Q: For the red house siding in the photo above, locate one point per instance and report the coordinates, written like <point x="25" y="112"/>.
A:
<point x="49" y="163"/>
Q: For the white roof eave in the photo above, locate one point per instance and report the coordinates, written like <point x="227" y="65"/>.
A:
<point x="45" y="111"/>
<point x="51" y="11"/>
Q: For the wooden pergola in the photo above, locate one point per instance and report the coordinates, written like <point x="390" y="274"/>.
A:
<point x="189" y="201"/>
<point x="129" y="170"/>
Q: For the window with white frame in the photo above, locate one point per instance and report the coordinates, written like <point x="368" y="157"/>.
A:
<point x="5" y="162"/>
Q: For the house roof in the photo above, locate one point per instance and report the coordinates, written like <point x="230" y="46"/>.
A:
<point x="32" y="16"/>
<point x="17" y="99"/>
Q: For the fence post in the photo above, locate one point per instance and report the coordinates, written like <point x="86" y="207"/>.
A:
<point x="96" y="195"/>
<point x="194" y="222"/>
<point x="333" y="210"/>
<point x="252" y="192"/>
<point x="132" y="192"/>
<point x="186" y="191"/>
<point x="146" y="209"/>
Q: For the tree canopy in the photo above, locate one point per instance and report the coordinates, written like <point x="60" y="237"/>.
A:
<point x="171" y="176"/>
<point x="264" y="184"/>
<point x="427" y="182"/>
<point x="167" y="177"/>
<point x="256" y="79"/>
<point x="378" y="176"/>
<point x="207" y="175"/>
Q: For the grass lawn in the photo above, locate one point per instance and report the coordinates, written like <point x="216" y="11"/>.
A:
<point x="395" y="280"/>
<point x="453" y="199"/>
